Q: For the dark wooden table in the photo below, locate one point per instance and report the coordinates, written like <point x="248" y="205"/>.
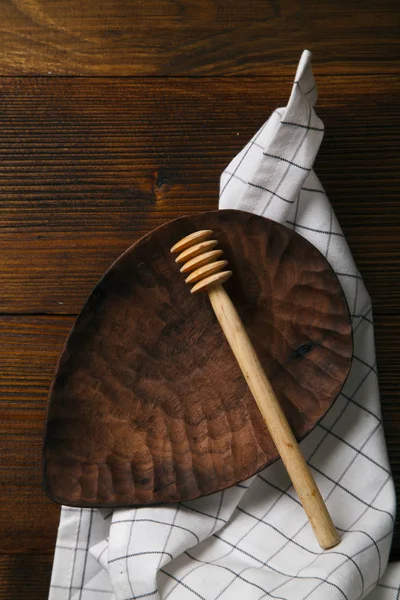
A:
<point x="118" y="115"/>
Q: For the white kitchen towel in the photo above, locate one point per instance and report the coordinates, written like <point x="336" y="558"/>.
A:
<point x="253" y="541"/>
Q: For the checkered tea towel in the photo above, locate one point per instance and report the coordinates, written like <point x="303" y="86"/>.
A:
<point x="253" y="541"/>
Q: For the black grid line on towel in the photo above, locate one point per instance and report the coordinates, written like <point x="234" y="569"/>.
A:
<point x="158" y="522"/>
<point x="86" y="552"/>
<point x="260" y="187"/>
<point x="290" y="162"/>
<point x="75" y="553"/>
<point x="202" y="563"/>
<point x="251" y="143"/>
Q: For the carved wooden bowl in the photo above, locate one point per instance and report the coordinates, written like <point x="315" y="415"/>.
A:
<point x="148" y="405"/>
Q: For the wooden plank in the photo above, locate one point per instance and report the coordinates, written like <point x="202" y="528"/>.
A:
<point x="387" y="331"/>
<point x="208" y="37"/>
<point x="28" y="353"/>
<point x="29" y="347"/>
<point x="55" y="273"/>
<point x="25" y="576"/>
<point x="88" y="166"/>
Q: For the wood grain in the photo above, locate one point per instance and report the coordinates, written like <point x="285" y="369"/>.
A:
<point x="25" y="576"/>
<point x="28" y="353"/>
<point x="207" y="37"/>
<point x="90" y="165"/>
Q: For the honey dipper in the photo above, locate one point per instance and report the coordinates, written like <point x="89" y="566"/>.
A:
<point x="204" y="268"/>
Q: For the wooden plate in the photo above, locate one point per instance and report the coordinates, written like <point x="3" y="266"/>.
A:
<point x="148" y="404"/>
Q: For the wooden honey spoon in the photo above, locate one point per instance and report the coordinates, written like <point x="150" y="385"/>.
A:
<point x="201" y="262"/>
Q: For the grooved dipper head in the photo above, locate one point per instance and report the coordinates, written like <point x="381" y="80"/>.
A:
<point x="198" y="257"/>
